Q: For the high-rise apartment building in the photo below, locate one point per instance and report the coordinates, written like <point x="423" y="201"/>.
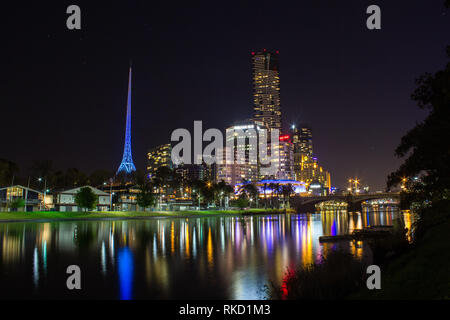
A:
<point x="285" y="157"/>
<point x="192" y="172"/>
<point x="302" y="139"/>
<point x="266" y="89"/>
<point x="306" y="166"/>
<point x="159" y="156"/>
<point x="242" y="148"/>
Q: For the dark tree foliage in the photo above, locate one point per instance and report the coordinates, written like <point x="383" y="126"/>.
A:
<point x="250" y="189"/>
<point x="99" y="177"/>
<point x="86" y="198"/>
<point x="42" y="168"/>
<point x="426" y="149"/>
<point x="145" y="198"/>
<point x="426" y="146"/>
<point x="17" y="203"/>
<point x="223" y="191"/>
<point x="242" y="202"/>
<point x="8" y="170"/>
<point x="286" y="191"/>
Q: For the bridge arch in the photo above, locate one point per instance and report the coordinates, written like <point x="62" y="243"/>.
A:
<point x="307" y="204"/>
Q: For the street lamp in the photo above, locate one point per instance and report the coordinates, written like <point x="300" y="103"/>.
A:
<point x="45" y="191"/>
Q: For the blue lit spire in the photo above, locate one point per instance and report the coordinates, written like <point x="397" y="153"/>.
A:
<point x="127" y="164"/>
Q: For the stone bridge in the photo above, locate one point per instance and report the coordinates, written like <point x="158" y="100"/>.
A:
<point x="354" y="201"/>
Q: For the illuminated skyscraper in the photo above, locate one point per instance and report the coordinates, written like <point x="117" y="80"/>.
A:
<point x="266" y="89"/>
<point x="127" y="164"/>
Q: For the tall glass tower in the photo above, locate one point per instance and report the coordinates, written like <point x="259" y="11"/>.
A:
<point x="266" y="89"/>
<point x="127" y="164"/>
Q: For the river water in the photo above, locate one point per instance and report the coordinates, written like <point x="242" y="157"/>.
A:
<point x="196" y="258"/>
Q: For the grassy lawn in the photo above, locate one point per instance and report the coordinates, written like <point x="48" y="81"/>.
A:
<point x="55" y="215"/>
<point x="422" y="273"/>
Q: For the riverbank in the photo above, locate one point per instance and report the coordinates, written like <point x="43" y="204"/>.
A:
<point x="48" y="216"/>
<point x="420" y="273"/>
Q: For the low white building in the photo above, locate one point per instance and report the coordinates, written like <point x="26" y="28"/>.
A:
<point x="33" y="200"/>
<point x="65" y="200"/>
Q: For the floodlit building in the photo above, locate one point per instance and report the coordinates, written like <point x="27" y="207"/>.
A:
<point x="33" y="199"/>
<point x="306" y="166"/>
<point x="310" y="171"/>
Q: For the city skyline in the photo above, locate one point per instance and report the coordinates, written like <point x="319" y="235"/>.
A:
<point x="357" y="118"/>
<point x="192" y="156"/>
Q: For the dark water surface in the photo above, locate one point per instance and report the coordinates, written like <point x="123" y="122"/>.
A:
<point x="207" y="257"/>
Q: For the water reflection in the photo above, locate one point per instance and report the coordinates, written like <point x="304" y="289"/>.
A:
<point x="125" y="262"/>
<point x="218" y="257"/>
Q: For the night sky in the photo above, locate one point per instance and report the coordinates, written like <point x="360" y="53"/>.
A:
<point x="63" y="95"/>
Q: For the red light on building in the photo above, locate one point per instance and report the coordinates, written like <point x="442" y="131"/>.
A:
<point x="253" y="53"/>
<point x="264" y="49"/>
<point x="277" y="52"/>
<point x="285" y="137"/>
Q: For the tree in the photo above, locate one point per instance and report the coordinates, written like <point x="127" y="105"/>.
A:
<point x="75" y="177"/>
<point x="242" y="201"/>
<point x="17" y="203"/>
<point x="286" y="191"/>
<point x="209" y="192"/>
<point x="427" y="152"/>
<point x="251" y="191"/>
<point x="86" y="198"/>
<point x="8" y="170"/>
<point x="98" y="177"/>
<point x="145" y="197"/>
<point x="272" y="188"/>
<point x="223" y="190"/>
<point x="276" y="190"/>
<point x="198" y="186"/>
<point x="42" y="168"/>
<point x="163" y="180"/>
<point x="265" y="186"/>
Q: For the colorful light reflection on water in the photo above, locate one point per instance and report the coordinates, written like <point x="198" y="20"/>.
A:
<point x="125" y="262"/>
<point x="209" y="257"/>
